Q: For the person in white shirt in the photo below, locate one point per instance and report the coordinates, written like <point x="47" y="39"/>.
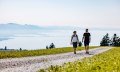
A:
<point x="74" y="41"/>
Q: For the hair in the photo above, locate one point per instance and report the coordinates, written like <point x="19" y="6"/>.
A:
<point x="86" y="30"/>
<point x="74" y="31"/>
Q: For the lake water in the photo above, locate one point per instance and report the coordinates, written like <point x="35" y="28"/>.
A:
<point x="39" y="39"/>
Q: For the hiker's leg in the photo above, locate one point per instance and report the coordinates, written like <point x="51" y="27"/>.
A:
<point x="74" y="47"/>
<point x="86" y="48"/>
<point x="74" y="50"/>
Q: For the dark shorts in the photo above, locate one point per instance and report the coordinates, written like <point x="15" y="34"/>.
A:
<point x="74" y="44"/>
<point x="86" y="43"/>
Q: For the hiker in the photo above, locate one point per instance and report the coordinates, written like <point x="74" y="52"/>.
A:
<point x="74" y="41"/>
<point x="86" y="39"/>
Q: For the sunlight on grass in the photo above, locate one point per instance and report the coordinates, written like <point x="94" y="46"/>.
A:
<point x="106" y="62"/>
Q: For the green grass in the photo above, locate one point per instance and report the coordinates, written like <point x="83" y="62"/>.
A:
<point x="17" y="54"/>
<point x="106" y="62"/>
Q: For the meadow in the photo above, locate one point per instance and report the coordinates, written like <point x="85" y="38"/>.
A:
<point x="105" y="62"/>
<point x="28" y="53"/>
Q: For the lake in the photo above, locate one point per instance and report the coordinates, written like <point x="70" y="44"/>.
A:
<point x="40" y="39"/>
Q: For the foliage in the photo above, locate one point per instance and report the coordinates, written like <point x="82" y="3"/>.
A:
<point x="114" y="41"/>
<point x="105" y="41"/>
<point x="106" y="62"/>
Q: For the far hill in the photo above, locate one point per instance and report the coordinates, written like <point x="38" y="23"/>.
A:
<point x="14" y="26"/>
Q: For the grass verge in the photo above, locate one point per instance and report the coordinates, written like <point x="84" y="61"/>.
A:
<point x="27" y="53"/>
<point x="106" y="62"/>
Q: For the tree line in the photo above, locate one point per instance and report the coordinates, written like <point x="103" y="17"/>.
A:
<point x="107" y="41"/>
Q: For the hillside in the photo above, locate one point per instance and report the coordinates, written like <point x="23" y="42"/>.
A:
<point x="14" y="26"/>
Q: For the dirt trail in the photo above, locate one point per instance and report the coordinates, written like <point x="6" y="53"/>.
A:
<point x="33" y="64"/>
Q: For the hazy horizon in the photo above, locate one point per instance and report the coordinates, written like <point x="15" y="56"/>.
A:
<point x="55" y="27"/>
<point x="80" y="13"/>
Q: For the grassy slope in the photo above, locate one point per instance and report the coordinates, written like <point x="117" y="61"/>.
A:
<point x="106" y="62"/>
<point x="14" y="54"/>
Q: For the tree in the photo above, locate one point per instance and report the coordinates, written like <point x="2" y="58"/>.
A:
<point x="115" y="40"/>
<point x="20" y="49"/>
<point x="5" y="47"/>
<point x="119" y="41"/>
<point x="47" y="47"/>
<point x="105" y="40"/>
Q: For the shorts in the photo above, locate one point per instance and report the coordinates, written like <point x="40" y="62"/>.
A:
<point x="86" y="43"/>
<point x="74" y="44"/>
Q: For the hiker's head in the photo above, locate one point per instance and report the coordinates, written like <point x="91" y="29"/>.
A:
<point x="86" y="30"/>
<point x="74" y="32"/>
<point x="115" y="35"/>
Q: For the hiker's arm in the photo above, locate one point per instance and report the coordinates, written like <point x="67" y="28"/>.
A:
<point x="83" y="39"/>
<point x="71" y="38"/>
<point x="89" y="39"/>
<point x="77" y="39"/>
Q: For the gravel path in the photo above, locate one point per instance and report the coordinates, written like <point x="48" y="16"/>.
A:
<point x="33" y="64"/>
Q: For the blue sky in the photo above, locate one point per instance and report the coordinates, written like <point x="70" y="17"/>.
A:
<point x="82" y="13"/>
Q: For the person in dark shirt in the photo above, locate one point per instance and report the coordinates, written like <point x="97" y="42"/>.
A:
<point x="86" y="39"/>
